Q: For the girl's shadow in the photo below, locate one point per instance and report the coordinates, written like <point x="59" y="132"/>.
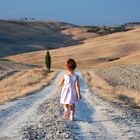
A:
<point x="84" y="112"/>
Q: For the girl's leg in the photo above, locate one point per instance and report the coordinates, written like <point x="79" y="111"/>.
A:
<point x="66" y="112"/>
<point x="72" y="111"/>
<point x="66" y="107"/>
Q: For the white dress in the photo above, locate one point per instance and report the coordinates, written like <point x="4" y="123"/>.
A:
<point x="68" y="94"/>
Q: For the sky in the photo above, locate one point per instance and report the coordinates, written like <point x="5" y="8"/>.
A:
<point x="80" y="12"/>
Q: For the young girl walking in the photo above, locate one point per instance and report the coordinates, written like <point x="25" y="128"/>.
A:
<point x="70" y="93"/>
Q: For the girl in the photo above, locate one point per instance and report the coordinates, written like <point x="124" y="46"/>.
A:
<point x="71" y="91"/>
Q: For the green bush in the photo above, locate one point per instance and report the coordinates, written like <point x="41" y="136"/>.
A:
<point x="93" y="29"/>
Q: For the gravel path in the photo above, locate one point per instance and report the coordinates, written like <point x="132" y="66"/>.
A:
<point x="14" y="115"/>
<point x="39" y="117"/>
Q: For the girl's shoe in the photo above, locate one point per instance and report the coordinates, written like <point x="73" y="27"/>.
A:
<point x="66" y="114"/>
<point x="72" y="118"/>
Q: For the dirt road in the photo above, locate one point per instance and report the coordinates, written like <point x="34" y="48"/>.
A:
<point x="39" y="116"/>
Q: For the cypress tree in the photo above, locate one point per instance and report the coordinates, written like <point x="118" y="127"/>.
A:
<point x="48" y="61"/>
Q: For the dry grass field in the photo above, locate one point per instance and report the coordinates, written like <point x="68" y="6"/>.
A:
<point x="17" y="36"/>
<point x="117" y="83"/>
<point x="97" y="52"/>
<point x="104" y="51"/>
<point x="23" y="83"/>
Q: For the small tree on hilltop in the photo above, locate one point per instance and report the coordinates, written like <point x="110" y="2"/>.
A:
<point x="48" y="61"/>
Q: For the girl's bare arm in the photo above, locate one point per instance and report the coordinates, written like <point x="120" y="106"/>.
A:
<point x="78" y="88"/>
<point x="61" y="82"/>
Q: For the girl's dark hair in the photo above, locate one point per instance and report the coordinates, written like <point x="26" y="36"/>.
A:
<point x="71" y="64"/>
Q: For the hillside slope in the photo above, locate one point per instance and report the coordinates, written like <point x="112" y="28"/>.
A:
<point x="27" y="36"/>
<point x="104" y="51"/>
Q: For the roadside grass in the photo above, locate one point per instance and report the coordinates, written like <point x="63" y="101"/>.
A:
<point x="110" y="92"/>
<point x="23" y="83"/>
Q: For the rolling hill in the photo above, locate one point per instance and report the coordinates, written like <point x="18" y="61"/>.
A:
<point x="17" y="36"/>
<point x="116" y="49"/>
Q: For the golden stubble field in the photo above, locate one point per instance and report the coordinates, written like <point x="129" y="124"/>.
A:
<point x="93" y="53"/>
<point x="24" y="83"/>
